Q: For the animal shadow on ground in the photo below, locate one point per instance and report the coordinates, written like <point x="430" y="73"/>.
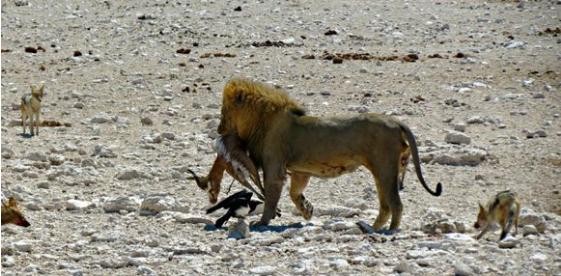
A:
<point x="262" y="228"/>
<point x="26" y="135"/>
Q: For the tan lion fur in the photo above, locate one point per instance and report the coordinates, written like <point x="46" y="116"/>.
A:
<point x="280" y="138"/>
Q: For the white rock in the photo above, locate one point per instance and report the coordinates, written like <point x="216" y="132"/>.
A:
<point x="56" y="159"/>
<point x="8" y="261"/>
<point x="475" y="120"/>
<point x="156" y="204"/>
<point x="339" y="225"/>
<point x="461" y="269"/>
<point x="539" y="258"/>
<point x="263" y="270"/>
<point x="458" y="237"/>
<point x="458" y="138"/>
<point x="337" y="211"/>
<point x="464" y="90"/>
<point x="456" y="156"/>
<point x="514" y="44"/>
<point x="460" y="126"/>
<point x="186" y="218"/>
<point x="75" y="272"/>
<point x="74" y="204"/>
<point x="104" y="151"/>
<point x="144" y="270"/>
<point x="23" y="245"/>
<point x="129" y="204"/>
<point x="339" y="264"/>
<point x="154" y="138"/>
<point x="508" y="242"/>
<point x="114" y="263"/>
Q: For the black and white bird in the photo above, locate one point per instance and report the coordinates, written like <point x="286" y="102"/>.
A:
<point x="239" y="205"/>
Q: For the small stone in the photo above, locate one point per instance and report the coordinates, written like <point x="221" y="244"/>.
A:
<point x="508" y="242"/>
<point x="36" y="156"/>
<point x="215" y="248"/>
<point x="457" y="138"/>
<point x="529" y="217"/>
<point x="8" y="261"/>
<point x="146" y="121"/>
<point x="263" y="270"/>
<point x="538" y="258"/>
<point x="461" y="127"/>
<point x="56" y="159"/>
<point x="101" y="118"/>
<point x="475" y="120"/>
<point x="185" y="218"/>
<point x="130" y="174"/>
<point x="114" y="263"/>
<point x="121" y="203"/>
<point x="403" y="267"/>
<point x="529" y="230"/>
<point x="79" y="105"/>
<point x="514" y="44"/>
<point x="540" y="133"/>
<point x="22" y="246"/>
<point x="461" y="269"/>
<point x="74" y="204"/>
<point x="168" y="135"/>
<point x="6" y="152"/>
<point x="43" y="185"/>
<point x="155" y="204"/>
<point x="144" y="270"/>
<point x="103" y="151"/>
<point x="339" y="264"/>
<point x="464" y="90"/>
<point x="238" y="230"/>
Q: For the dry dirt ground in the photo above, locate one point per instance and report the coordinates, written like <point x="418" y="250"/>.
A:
<point x="140" y="83"/>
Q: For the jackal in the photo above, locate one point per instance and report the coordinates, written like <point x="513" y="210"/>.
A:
<point x="504" y="208"/>
<point x="31" y="107"/>
<point x="11" y="212"/>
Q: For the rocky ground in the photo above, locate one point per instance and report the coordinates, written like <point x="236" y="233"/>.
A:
<point x="140" y="84"/>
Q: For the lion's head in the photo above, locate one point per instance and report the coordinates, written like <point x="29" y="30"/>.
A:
<point x="249" y="105"/>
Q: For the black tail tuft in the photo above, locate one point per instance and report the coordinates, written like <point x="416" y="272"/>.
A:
<point x="438" y="189"/>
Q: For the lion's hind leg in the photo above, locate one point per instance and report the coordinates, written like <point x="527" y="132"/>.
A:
<point x="388" y="194"/>
<point x="298" y="183"/>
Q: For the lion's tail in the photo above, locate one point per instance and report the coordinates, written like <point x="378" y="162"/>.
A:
<point x="415" y="153"/>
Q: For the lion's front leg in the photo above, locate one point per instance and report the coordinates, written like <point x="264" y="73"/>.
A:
<point x="274" y="180"/>
<point x="298" y="183"/>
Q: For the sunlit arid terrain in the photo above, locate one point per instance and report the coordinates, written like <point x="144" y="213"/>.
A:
<point x="133" y="97"/>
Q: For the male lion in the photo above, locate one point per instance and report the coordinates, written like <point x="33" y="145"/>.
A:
<point x="280" y="137"/>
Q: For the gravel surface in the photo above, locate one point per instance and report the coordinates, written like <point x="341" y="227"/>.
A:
<point x="138" y="85"/>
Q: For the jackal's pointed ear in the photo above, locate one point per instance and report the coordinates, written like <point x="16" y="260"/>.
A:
<point x="41" y="88"/>
<point x="481" y="208"/>
<point x="32" y="87"/>
<point x="12" y="202"/>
